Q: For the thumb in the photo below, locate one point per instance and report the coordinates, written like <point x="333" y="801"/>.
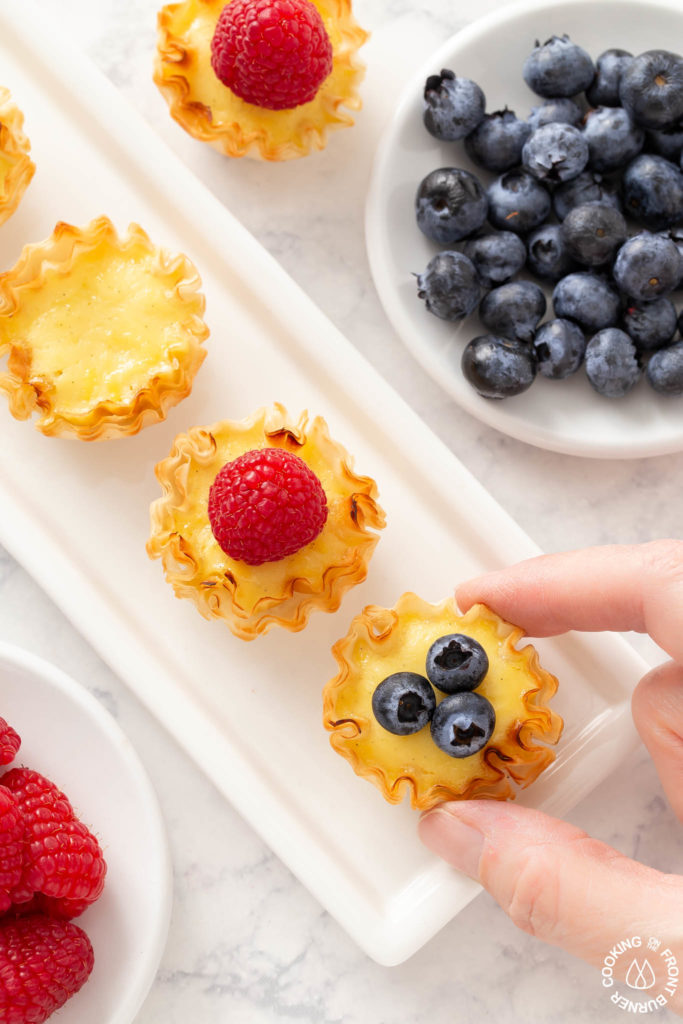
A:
<point x="555" y="881"/>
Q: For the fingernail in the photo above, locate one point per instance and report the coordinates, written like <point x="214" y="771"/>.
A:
<point x="448" y="837"/>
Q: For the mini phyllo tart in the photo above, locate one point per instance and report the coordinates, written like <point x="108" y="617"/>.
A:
<point x="440" y="705"/>
<point x="263" y="520"/>
<point x="102" y="333"/>
<point x="16" y="166"/>
<point x="264" y="78"/>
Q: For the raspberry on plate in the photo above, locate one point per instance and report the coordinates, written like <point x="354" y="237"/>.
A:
<point x="43" y="963"/>
<point x="265" y="505"/>
<point x="11" y="847"/>
<point x="9" y="742"/>
<point x="62" y="859"/>
<point x="272" y="53"/>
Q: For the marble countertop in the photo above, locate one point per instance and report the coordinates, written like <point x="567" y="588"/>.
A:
<point x="276" y="955"/>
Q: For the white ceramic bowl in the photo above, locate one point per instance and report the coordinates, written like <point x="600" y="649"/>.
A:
<point x="565" y="416"/>
<point x="68" y="736"/>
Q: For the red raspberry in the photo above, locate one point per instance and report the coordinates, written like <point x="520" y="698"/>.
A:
<point x="11" y="847"/>
<point x="42" y="963"/>
<point x="62" y="859"/>
<point x="272" y="53"/>
<point x="9" y="742"/>
<point x="266" y="504"/>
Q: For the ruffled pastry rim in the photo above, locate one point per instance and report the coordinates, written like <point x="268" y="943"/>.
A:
<point x="105" y="420"/>
<point x="173" y="54"/>
<point x="215" y="595"/>
<point x="15" y="147"/>
<point x="522" y="760"/>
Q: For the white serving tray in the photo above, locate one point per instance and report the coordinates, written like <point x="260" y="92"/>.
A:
<point x="76" y="516"/>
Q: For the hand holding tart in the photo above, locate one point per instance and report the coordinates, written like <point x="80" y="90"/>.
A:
<point x="262" y="520"/>
<point x="263" y="78"/>
<point x="440" y="705"/>
<point x="103" y="333"/>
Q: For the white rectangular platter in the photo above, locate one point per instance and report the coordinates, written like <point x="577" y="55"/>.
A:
<point x="76" y="516"/>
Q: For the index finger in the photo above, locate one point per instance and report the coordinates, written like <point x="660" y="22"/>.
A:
<point x="635" y="587"/>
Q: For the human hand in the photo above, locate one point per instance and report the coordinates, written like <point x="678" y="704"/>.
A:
<point x="554" y="880"/>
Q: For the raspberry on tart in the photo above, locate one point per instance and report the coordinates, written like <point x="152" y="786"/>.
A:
<point x="264" y="78"/>
<point x="260" y="469"/>
<point x="484" y="742"/>
<point x="130" y="346"/>
<point x="16" y="166"/>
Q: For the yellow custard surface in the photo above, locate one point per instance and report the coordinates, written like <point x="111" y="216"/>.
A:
<point x="252" y="598"/>
<point x="100" y="330"/>
<point x="210" y="111"/>
<point x="383" y="641"/>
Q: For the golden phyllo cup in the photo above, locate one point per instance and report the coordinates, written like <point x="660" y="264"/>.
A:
<point x="16" y="166"/>
<point x="251" y="599"/>
<point x="382" y="641"/>
<point x="211" y="112"/>
<point x="103" y="333"/>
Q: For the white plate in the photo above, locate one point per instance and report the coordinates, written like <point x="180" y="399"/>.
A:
<point x="68" y="736"/>
<point x="565" y="416"/>
<point x="250" y="713"/>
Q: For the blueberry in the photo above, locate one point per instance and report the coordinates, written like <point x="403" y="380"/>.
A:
<point x="676" y="236"/>
<point x="651" y="88"/>
<point x="612" y="363"/>
<point x="453" y="106"/>
<point x="652" y="190"/>
<point x="558" y="110"/>
<point x="450" y="205"/>
<point x="449" y="286"/>
<point x="498" y="367"/>
<point x="647" y="266"/>
<point x="497" y="257"/>
<point x="593" y="232"/>
<point x="558" y="68"/>
<point x="547" y="254"/>
<point x="666" y="142"/>
<point x="462" y="724"/>
<point x="555" y="152"/>
<point x="496" y="143"/>
<point x="403" y="703"/>
<point x="609" y="67"/>
<point x="456" y="663"/>
<point x="613" y="138"/>
<point x="651" y="324"/>
<point x="517" y="202"/>
<point x="560" y="346"/>
<point x="665" y="370"/>
<point x="513" y="310"/>
<point x="587" y="298"/>
<point x="587" y="187"/>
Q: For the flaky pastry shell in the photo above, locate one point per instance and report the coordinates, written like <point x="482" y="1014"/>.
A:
<point x="16" y="166"/>
<point x="211" y="112"/>
<point x="102" y="333"/>
<point x="381" y="641"/>
<point x="253" y="598"/>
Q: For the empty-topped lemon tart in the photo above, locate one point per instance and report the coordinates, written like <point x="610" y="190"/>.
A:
<point x="440" y="705"/>
<point x="264" y="78"/>
<point x="103" y="333"/>
<point x="263" y="520"/>
<point x="16" y="166"/>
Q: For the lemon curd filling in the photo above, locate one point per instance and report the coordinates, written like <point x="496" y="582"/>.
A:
<point x="98" y="332"/>
<point x="251" y="598"/>
<point x="102" y="333"/>
<point x="383" y="641"/>
<point x="210" y="111"/>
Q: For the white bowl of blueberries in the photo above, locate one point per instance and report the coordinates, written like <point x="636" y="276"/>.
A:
<point x="536" y="266"/>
